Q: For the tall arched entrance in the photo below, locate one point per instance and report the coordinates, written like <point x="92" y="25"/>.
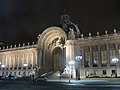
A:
<point x="51" y="53"/>
<point x="57" y="59"/>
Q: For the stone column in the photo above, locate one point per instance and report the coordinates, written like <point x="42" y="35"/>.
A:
<point x="68" y="54"/>
<point x="91" y="56"/>
<point x="108" y="55"/>
<point x="13" y="61"/>
<point x="64" y="57"/>
<point x="35" y="58"/>
<point x="10" y="62"/>
<point x="44" y="53"/>
<point x="99" y="56"/>
<point x="2" y="64"/>
<point x="18" y="61"/>
<point x="22" y="58"/>
<point x="2" y="59"/>
<point x="32" y="59"/>
<point x="27" y="60"/>
<point x="6" y="61"/>
<point x="116" y="52"/>
<point x="83" y="58"/>
<point x="40" y="56"/>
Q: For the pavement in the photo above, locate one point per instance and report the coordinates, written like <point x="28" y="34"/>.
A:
<point x="89" y="81"/>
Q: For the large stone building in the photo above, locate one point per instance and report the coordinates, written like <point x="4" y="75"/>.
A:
<point x="64" y="47"/>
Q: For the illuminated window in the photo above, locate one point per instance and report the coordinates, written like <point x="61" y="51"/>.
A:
<point x="103" y="55"/>
<point x="112" y="54"/>
<point x="87" y="57"/>
<point x="95" y="56"/>
<point x="119" y="49"/>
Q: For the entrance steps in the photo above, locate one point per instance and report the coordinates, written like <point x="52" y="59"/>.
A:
<point x="56" y="75"/>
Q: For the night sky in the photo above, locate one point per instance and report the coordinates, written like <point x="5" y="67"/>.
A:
<point x="22" y="20"/>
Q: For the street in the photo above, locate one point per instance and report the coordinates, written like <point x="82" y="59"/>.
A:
<point x="59" y="85"/>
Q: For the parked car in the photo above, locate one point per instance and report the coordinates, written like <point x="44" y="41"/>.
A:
<point x="41" y="79"/>
<point x="11" y="78"/>
<point x="3" y="78"/>
<point x="0" y="77"/>
<point x="24" y="78"/>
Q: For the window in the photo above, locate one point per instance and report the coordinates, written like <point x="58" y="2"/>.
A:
<point x="2" y="73"/>
<point x="15" y="67"/>
<point x="87" y="57"/>
<point x="113" y="71"/>
<point x="11" y="73"/>
<point x="104" y="72"/>
<point x="19" y="68"/>
<point x="18" y="73"/>
<point x="112" y="54"/>
<point x="6" y="73"/>
<point x="15" y="73"/>
<point x="103" y="55"/>
<point x="24" y="74"/>
<point x="95" y="60"/>
<point x="95" y="56"/>
<point x="95" y="72"/>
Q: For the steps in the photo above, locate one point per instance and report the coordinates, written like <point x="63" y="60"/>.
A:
<point x="56" y="75"/>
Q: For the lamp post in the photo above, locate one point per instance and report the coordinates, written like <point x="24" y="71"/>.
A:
<point x="70" y="69"/>
<point x="36" y="70"/>
<point x="78" y="58"/>
<point x="25" y="65"/>
<point x="115" y="60"/>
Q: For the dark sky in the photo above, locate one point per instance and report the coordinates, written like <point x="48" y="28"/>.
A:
<point x="22" y="20"/>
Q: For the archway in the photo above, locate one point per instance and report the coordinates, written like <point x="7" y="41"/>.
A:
<point x="57" y="59"/>
<point x="50" y="42"/>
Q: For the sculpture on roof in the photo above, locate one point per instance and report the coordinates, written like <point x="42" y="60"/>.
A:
<point x="71" y="34"/>
<point x="69" y="27"/>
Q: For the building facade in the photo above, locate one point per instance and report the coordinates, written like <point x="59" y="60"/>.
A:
<point x="64" y="47"/>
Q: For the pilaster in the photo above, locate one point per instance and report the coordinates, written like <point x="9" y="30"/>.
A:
<point x="91" y="56"/>
<point x="108" y="55"/>
<point x="116" y="53"/>
<point x="83" y="57"/>
<point x="99" y="56"/>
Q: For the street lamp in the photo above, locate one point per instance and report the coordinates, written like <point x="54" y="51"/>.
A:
<point x="78" y="58"/>
<point x="36" y="70"/>
<point x="25" y="65"/>
<point x="70" y="69"/>
<point x="115" y="60"/>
